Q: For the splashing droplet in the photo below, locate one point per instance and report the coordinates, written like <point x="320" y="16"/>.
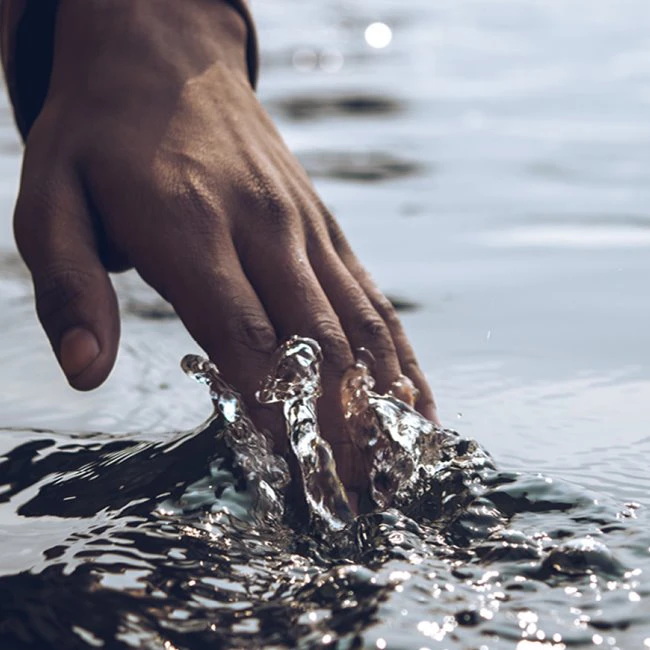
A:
<point x="404" y="389"/>
<point x="409" y="461"/>
<point x="265" y="474"/>
<point x="295" y="382"/>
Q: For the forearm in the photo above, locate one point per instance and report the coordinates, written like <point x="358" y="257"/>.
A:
<point x="29" y="30"/>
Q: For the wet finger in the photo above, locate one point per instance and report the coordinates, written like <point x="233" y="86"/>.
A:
<point x="362" y="324"/>
<point x="297" y="305"/>
<point x="408" y="361"/>
<point x="406" y="355"/>
<point x="222" y="312"/>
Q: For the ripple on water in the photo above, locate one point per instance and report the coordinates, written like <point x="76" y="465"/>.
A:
<point x="524" y="566"/>
<point x="166" y="543"/>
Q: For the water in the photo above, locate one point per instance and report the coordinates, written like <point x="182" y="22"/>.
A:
<point x="191" y="541"/>
<point x="490" y="167"/>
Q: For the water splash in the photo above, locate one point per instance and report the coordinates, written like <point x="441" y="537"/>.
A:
<point x="412" y="464"/>
<point x="180" y="541"/>
<point x="265" y="474"/>
<point x="406" y="454"/>
<point x="435" y="500"/>
<point x="295" y="382"/>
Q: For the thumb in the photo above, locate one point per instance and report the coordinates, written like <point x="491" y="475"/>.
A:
<point x="75" y="300"/>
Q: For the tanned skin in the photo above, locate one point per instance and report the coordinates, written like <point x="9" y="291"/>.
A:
<point x="152" y="152"/>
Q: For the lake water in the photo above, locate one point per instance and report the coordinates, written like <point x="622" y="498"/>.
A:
<point x="491" y="167"/>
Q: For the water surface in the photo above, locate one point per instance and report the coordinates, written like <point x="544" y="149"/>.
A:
<point x="490" y="167"/>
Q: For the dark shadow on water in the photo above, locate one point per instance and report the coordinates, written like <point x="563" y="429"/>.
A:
<point x="309" y="107"/>
<point x="403" y="305"/>
<point x="159" y="310"/>
<point x="367" y="166"/>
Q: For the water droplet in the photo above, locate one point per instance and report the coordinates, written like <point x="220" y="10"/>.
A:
<point x="295" y="382"/>
<point x="228" y="405"/>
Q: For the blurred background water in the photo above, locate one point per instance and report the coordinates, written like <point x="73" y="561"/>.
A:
<point x="490" y="163"/>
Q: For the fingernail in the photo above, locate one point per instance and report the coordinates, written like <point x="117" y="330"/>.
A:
<point x="78" y="349"/>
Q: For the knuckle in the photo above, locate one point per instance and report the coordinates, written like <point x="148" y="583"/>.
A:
<point x="411" y="367"/>
<point x="374" y="329"/>
<point x="253" y="332"/>
<point x="333" y="342"/>
<point x="23" y="232"/>
<point x="385" y="309"/>
<point x="36" y="199"/>
<point x="59" y="289"/>
<point x="339" y="242"/>
<point x="315" y="242"/>
<point x="192" y="197"/>
<point x="184" y="187"/>
<point x="273" y="207"/>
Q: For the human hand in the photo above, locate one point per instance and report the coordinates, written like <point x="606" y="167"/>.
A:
<point x="153" y="152"/>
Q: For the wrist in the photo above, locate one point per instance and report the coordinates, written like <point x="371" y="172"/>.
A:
<point x="170" y="42"/>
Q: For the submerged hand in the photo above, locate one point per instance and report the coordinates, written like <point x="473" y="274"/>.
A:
<point x="153" y="152"/>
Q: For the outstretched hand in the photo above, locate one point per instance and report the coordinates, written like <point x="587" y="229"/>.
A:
<point x="153" y="152"/>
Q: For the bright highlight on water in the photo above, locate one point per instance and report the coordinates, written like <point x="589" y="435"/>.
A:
<point x="378" y="35"/>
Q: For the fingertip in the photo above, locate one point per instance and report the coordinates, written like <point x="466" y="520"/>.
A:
<point x="80" y="357"/>
<point x="77" y="351"/>
<point x="429" y="411"/>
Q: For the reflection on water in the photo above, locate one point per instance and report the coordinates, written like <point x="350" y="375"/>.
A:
<point x="509" y="149"/>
